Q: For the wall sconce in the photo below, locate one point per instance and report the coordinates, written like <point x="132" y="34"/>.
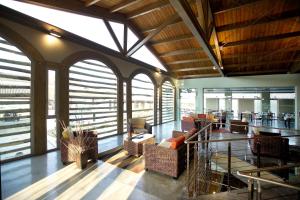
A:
<point x="54" y="33"/>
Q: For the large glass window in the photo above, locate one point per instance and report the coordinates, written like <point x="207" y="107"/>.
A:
<point x="167" y="102"/>
<point x="93" y="97"/>
<point x="51" y="116"/>
<point x="15" y="93"/>
<point x="143" y="98"/>
<point x="187" y="101"/>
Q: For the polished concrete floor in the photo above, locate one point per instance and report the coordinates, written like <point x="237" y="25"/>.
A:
<point x="44" y="177"/>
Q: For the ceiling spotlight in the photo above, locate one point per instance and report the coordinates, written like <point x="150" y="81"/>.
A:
<point x="54" y="33"/>
<point x="222" y="67"/>
<point x="214" y="68"/>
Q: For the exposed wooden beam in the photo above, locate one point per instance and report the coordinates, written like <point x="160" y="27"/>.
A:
<point x="181" y="52"/>
<point x="259" y="72"/>
<point x="185" y="12"/>
<point x="147" y="9"/>
<point x="187" y="61"/>
<point x="172" y="40"/>
<point x="262" y="63"/>
<point x="149" y="29"/>
<point x="198" y="76"/>
<point x="113" y="35"/>
<point x="202" y="14"/>
<point x="91" y="2"/>
<point x="123" y="5"/>
<point x="262" y="39"/>
<point x="262" y="53"/>
<point x="140" y="43"/>
<point x="266" y="19"/>
<point x="238" y="5"/>
<point x="214" y="34"/>
<point x="192" y="69"/>
<point x="79" y="7"/>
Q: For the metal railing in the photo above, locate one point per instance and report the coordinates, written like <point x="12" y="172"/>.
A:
<point x="249" y="174"/>
<point x="205" y="160"/>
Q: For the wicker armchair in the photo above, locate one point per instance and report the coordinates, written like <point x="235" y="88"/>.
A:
<point x="168" y="161"/>
<point x="138" y="126"/>
<point x="67" y="154"/>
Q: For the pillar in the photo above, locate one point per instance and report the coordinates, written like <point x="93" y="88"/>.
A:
<point x="265" y="101"/>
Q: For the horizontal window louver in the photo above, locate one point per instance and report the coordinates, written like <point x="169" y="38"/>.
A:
<point x="143" y="98"/>
<point x="15" y="97"/>
<point x="93" y="97"/>
<point x="167" y="102"/>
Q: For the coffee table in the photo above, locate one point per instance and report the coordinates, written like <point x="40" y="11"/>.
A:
<point x="135" y="145"/>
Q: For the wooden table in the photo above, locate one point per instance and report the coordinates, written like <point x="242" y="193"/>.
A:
<point x="135" y="145"/>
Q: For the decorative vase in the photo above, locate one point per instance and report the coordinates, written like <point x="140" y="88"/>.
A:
<point x="81" y="160"/>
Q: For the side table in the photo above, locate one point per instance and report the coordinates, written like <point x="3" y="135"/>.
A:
<point x="135" y="145"/>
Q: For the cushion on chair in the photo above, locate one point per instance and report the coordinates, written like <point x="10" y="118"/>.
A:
<point x="138" y="123"/>
<point x="176" y="142"/>
<point x="164" y="143"/>
<point x="139" y="130"/>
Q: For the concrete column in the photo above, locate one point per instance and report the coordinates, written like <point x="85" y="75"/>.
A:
<point x="129" y="100"/>
<point x="297" y="108"/>
<point x="155" y="105"/>
<point x="62" y="97"/>
<point x="160" y="104"/>
<point x="265" y="101"/>
<point x="199" y="100"/>
<point x="120" y="102"/>
<point x="39" y="109"/>
<point x="228" y="100"/>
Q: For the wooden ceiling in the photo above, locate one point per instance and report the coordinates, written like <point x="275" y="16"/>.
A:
<point x="208" y="38"/>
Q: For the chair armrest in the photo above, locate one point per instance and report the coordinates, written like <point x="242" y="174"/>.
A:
<point x="148" y="127"/>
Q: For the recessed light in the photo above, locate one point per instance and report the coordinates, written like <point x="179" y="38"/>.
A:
<point x="54" y="33"/>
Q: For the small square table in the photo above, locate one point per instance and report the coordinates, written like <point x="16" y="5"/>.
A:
<point x="135" y="145"/>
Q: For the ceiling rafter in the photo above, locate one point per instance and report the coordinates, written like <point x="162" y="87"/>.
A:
<point x="241" y="4"/>
<point x="188" y="61"/>
<point x="123" y="5"/>
<point x="198" y="76"/>
<point x="261" y="39"/>
<point x="185" y="12"/>
<point x="149" y="29"/>
<point x="186" y="69"/>
<point x="262" y="53"/>
<point x="147" y="9"/>
<point x="91" y="2"/>
<point x="141" y="42"/>
<point x="262" y="63"/>
<point x="80" y="8"/>
<point x="181" y="52"/>
<point x="172" y="40"/>
<point x="278" y="71"/>
<point x="267" y="19"/>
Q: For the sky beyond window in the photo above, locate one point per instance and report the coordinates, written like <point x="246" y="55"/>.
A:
<point x="90" y="28"/>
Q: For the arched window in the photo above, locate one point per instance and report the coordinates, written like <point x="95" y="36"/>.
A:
<point x="15" y="96"/>
<point x="93" y="97"/>
<point x="167" y="102"/>
<point x="143" y="97"/>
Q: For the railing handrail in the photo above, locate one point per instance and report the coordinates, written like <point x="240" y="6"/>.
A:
<point x="268" y="181"/>
<point x="201" y="130"/>
<point x="250" y="125"/>
<point x="229" y="139"/>
<point x="273" y="168"/>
